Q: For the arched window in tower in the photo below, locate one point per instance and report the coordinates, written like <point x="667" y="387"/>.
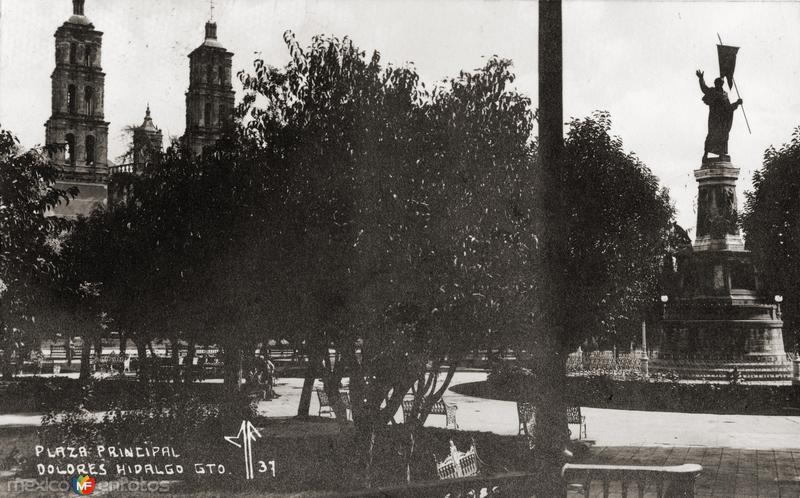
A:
<point x="70" y="150"/>
<point x="210" y="74"/>
<point x="221" y="75"/>
<point x="90" y="155"/>
<point x="73" y="53"/>
<point x="207" y="115"/>
<point x="89" y="55"/>
<point x="88" y="97"/>
<point x="71" y="97"/>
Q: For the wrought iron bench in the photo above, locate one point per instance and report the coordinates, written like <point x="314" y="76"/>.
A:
<point x="667" y="481"/>
<point x="574" y="417"/>
<point x="505" y="485"/>
<point x="325" y="403"/>
<point x="438" y="408"/>
<point x="458" y="464"/>
<point x="526" y="415"/>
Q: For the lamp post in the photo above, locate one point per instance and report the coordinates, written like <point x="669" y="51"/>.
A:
<point x="645" y="361"/>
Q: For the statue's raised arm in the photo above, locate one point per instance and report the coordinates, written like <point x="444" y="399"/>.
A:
<point x="702" y="81"/>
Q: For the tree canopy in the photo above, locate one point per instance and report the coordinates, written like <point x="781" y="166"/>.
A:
<point x="27" y="234"/>
<point x="619" y="226"/>
<point x="772" y="229"/>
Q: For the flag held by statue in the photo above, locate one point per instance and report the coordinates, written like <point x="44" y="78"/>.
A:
<point x="727" y="62"/>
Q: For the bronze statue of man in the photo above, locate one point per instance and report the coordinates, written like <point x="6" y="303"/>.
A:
<point x="720" y="117"/>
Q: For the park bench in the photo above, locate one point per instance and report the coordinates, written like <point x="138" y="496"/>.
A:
<point x="677" y="481"/>
<point x="439" y="408"/>
<point x="574" y="417"/>
<point x="325" y="404"/>
<point x="674" y="481"/>
<point x="526" y="415"/>
<point x="58" y="353"/>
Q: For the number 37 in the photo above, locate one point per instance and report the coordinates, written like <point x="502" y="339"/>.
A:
<point x="268" y="466"/>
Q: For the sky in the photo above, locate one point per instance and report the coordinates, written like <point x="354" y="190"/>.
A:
<point x="634" y="59"/>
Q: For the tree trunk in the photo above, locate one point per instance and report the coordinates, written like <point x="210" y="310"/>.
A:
<point x="551" y="420"/>
<point x="551" y="433"/>
<point x="332" y="381"/>
<point x="233" y="368"/>
<point x="175" y="359"/>
<point x="143" y="370"/>
<point x="98" y="348"/>
<point x="8" y="346"/>
<point x="304" y="407"/>
<point x="68" y="347"/>
<point x="8" y="352"/>
<point x="86" y="358"/>
<point x="189" y="367"/>
<point x="368" y="457"/>
<point x="412" y="443"/>
<point x="331" y="386"/>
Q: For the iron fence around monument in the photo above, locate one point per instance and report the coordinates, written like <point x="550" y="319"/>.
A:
<point x="715" y="367"/>
<point x="605" y="363"/>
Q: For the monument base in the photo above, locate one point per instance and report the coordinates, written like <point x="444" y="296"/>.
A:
<point x="718" y="324"/>
<point x="709" y="339"/>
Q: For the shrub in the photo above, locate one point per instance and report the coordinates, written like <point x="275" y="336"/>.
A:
<point x="177" y="419"/>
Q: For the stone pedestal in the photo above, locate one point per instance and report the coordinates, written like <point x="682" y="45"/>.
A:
<point x="718" y="320"/>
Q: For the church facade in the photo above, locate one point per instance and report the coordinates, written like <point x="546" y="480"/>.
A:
<point x="77" y="134"/>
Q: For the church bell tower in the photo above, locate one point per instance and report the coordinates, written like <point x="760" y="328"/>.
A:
<point x="210" y="99"/>
<point x="76" y="127"/>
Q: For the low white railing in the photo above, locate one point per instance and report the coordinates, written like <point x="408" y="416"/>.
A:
<point x="677" y="481"/>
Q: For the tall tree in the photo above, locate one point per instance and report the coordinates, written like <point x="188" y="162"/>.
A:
<point x="619" y="226"/>
<point x="772" y="230"/>
<point x="615" y="228"/>
<point x="27" y="236"/>
<point x="409" y="211"/>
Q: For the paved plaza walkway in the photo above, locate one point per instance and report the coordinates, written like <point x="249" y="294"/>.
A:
<point x="727" y="472"/>
<point x="604" y="426"/>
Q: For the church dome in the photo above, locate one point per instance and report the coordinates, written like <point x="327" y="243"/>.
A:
<point x="147" y="124"/>
<point x="82" y="20"/>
